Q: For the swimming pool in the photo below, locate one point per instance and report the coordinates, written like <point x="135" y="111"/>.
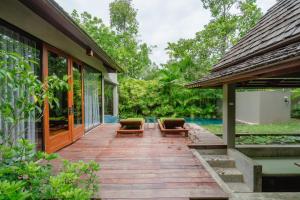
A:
<point x="199" y="121"/>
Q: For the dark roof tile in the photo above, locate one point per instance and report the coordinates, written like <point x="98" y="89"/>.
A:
<point x="275" y="37"/>
<point x="275" y="26"/>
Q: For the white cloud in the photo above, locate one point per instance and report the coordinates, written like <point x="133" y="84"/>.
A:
<point x="161" y="21"/>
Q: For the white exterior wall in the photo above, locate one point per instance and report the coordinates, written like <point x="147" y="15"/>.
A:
<point x="113" y="78"/>
<point x="263" y="107"/>
<point x="247" y="107"/>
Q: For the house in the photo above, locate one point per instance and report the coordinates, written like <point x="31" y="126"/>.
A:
<point x="41" y="30"/>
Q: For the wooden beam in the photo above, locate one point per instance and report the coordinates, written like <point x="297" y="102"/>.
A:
<point x="275" y="69"/>
<point x="229" y="115"/>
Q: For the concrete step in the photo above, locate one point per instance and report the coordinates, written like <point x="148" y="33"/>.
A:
<point x="239" y="187"/>
<point x="212" y="151"/>
<point x="223" y="161"/>
<point x="229" y="174"/>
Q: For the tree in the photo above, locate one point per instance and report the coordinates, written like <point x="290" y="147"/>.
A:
<point x="195" y="57"/>
<point x="123" y="17"/>
<point x="219" y="8"/>
<point x="123" y="46"/>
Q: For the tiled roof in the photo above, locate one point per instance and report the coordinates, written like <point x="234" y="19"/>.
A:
<point x="273" y="39"/>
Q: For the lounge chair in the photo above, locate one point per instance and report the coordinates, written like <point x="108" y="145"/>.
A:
<point x="131" y="126"/>
<point x="172" y="126"/>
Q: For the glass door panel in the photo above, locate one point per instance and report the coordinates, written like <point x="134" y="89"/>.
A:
<point x="58" y="113"/>
<point x="77" y="95"/>
<point x="77" y="102"/>
<point x="57" y="118"/>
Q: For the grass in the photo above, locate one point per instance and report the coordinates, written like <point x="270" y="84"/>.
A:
<point x="263" y="134"/>
<point x="259" y="139"/>
<point x="291" y="127"/>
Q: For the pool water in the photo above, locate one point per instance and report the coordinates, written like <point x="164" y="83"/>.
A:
<point x="110" y="119"/>
<point x="199" y="121"/>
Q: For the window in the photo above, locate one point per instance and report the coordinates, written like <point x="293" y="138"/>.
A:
<point x="77" y="94"/>
<point x="92" y="97"/>
<point x="58" y="113"/>
<point x="14" y="41"/>
<point x="108" y="99"/>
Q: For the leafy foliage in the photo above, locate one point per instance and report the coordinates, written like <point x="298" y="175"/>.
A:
<point x="156" y="98"/>
<point x="26" y="174"/>
<point x="123" y="46"/>
<point x="256" y="139"/>
<point x="123" y="17"/>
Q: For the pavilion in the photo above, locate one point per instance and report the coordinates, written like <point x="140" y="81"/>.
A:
<point x="268" y="56"/>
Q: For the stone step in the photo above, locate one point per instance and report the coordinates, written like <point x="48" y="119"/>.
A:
<point x="229" y="174"/>
<point x="212" y="151"/>
<point x="223" y="161"/>
<point x="239" y="187"/>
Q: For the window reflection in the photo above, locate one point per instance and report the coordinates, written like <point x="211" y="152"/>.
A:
<point x="58" y="114"/>
<point x="108" y="95"/>
<point x="77" y="94"/>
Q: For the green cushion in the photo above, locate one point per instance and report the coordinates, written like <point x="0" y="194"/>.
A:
<point x="171" y="123"/>
<point x="132" y="123"/>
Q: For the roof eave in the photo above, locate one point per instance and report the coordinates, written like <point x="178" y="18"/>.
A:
<point x="50" y="11"/>
<point x="271" y="69"/>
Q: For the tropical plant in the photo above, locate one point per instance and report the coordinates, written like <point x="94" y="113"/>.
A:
<point x="26" y="174"/>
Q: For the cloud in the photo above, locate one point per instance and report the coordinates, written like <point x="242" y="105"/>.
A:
<point x="161" y="21"/>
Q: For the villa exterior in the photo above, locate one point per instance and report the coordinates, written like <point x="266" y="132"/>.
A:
<point x="42" y="31"/>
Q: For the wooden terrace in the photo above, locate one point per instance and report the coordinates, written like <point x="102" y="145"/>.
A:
<point x="148" y="167"/>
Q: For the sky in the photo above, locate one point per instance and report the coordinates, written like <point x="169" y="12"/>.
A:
<point x="160" y="21"/>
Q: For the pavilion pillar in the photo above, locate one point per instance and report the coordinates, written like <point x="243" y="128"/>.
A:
<point x="115" y="101"/>
<point x="229" y="115"/>
<point x="102" y="100"/>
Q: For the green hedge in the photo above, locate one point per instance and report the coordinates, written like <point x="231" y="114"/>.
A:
<point x="141" y="98"/>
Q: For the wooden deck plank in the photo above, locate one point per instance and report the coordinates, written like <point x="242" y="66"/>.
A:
<point x="149" y="167"/>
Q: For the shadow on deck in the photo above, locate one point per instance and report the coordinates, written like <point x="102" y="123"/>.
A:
<point x="149" y="167"/>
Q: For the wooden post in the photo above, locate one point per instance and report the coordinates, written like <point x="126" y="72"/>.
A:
<point x="229" y="115"/>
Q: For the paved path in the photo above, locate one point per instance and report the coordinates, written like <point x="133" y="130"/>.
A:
<point x="149" y="167"/>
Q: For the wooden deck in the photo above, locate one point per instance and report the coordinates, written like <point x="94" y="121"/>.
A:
<point x="151" y="167"/>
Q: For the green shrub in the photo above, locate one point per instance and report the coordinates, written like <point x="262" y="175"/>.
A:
<point x="26" y="174"/>
<point x="156" y="98"/>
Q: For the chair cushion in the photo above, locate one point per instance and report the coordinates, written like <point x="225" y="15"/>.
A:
<point x="132" y="123"/>
<point x="172" y="123"/>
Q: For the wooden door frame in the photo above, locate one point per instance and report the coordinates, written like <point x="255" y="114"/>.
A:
<point x="54" y="143"/>
<point x="78" y="131"/>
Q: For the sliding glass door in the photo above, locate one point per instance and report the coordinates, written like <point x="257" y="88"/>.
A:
<point x="92" y="98"/>
<point x="79" y="109"/>
<point x="13" y="41"/>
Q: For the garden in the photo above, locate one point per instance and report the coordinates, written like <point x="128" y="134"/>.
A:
<point x="275" y="133"/>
